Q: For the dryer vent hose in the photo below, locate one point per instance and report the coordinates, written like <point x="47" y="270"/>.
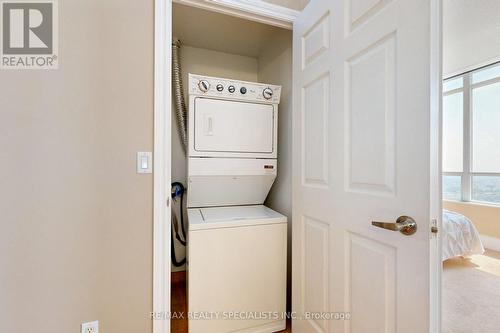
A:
<point x="178" y="92"/>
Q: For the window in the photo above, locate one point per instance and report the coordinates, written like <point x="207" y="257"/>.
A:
<point x="453" y="132"/>
<point x="471" y="136"/>
<point x="452" y="187"/>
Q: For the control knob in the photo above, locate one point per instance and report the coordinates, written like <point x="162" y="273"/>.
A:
<point x="219" y="87"/>
<point x="267" y="93"/>
<point x="231" y="89"/>
<point x="204" y="85"/>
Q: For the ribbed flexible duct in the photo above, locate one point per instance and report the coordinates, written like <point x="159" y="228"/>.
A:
<point x="179" y="103"/>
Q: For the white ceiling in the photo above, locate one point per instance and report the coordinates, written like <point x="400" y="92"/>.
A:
<point x="219" y="32"/>
<point x="471" y="33"/>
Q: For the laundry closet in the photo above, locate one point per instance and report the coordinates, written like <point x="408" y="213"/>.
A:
<point x="248" y="65"/>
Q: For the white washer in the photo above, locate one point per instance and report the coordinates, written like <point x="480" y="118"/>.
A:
<point x="236" y="246"/>
<point x="237" y="263"/>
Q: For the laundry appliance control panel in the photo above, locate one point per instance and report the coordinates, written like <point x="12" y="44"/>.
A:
<point x="233" y="89"/>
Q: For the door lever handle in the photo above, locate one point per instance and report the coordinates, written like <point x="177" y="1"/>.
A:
<point x="404" y="224"/>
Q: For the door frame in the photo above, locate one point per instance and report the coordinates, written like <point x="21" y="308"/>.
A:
<point x="162" y="165"/>
<point x="436" y="124"/>
<point x="277" y="16"/>
<point x="253" y="10"/>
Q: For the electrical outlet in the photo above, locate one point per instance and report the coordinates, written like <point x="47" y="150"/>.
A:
<point x="90" y="327"/>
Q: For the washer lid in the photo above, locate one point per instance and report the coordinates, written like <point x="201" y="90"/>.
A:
<point x="233" y="216"/>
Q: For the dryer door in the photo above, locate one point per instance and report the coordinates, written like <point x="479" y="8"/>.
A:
<point x="232" y="127"/>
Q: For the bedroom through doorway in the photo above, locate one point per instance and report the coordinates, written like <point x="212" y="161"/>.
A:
<point x="470" y="230"/>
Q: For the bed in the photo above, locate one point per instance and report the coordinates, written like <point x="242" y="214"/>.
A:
<point x="460" y="237"/>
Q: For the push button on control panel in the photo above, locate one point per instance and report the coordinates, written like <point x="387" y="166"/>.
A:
<point x="243" y="90"/>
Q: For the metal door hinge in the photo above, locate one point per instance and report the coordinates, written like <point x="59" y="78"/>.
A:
<point x="434" y="227"/>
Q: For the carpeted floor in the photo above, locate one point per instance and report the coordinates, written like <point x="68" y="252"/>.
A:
<point x="471" y="294"/>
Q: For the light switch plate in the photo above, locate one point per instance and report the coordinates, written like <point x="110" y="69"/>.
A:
<point x="144" y="162"/>
<point x="90" y="327"/>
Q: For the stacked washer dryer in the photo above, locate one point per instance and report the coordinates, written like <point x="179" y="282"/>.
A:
<point x="237" y="246"/>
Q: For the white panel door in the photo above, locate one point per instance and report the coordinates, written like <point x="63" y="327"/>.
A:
<point x="366" y="129"/>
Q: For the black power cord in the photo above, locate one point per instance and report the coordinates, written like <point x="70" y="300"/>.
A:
<point x="172" y="253"/>
<point x="178" y="192"/>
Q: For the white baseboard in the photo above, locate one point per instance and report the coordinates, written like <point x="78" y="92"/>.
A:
<point x="491" y="243"/>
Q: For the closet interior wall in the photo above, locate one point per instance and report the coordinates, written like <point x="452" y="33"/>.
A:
<point x="275" y="67"/>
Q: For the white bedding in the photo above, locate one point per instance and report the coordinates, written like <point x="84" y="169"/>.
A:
<point x="460" y="237"/>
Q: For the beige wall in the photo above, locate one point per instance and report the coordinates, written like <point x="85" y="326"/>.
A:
<point x="293" y="4"/>
<point x="76" y="220"/>
<point x="212" y="63"/>
<point x="486" y="218"/>
<point x="275" y="67"/>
